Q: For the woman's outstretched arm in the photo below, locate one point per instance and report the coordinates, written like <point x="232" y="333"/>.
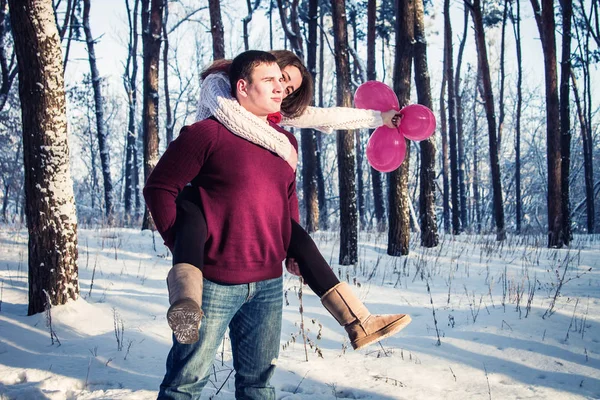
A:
<point x="333" y="118"/>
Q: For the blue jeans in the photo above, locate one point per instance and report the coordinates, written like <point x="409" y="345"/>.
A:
<point x="253" y="313"/>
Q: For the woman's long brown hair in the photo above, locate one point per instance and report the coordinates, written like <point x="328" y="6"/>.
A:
<point x="293" y="105"/>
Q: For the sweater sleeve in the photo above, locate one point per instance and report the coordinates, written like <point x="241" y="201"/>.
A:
<point x="179" y="164"/>
<point x="334" y="118"/>
<point x="216" y="100"/>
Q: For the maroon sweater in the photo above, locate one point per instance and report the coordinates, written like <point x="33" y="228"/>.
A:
<point x="248" y="196"/>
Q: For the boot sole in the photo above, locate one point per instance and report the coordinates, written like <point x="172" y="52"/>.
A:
<point x="184" y="319"/>
<point x="381" y="334"/>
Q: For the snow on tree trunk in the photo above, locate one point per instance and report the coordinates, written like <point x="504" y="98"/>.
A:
<point x="50" y="206"/>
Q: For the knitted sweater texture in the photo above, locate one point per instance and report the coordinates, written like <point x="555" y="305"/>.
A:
<point x="248" y="198"/>
<point x="216" y="99"/>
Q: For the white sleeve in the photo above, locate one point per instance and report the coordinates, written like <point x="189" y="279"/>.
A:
<point x="216" y="100"/>
<point x="333" y="118"/>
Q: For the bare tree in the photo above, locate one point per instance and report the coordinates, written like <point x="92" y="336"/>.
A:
<point x="398" y="200"/>
<point x="588" y="165"/>
<point x="8" y="65"/>
<point x="130" y="83"/>
<point x="246" y="21"/>
<point x="460" y="125"/>
<point x="170" y="124"/>
<point x="445" y="152"/>
<point x="449" y="71"/>
<point x="544" y="18"/>
<point x="50" y="207"/>
<point x="488" y="100"/>
<point x="216" y="29"/>
<point x="345" y="141"/>
<point x="101" y="130"/>
<point x="308" y="138"/>
<point x="476" y="191"/>
<point x="586" y="28"/>
<point x="516" y="20"/>
<point x="427" y="215"/>
<point x="292" y="32"/>
<point x="376" y="177"/>
<point x="151" y="33"/>
<point x="565" y="120"/>
<point x="67" y="25"/>
<point x="323" y="221"/>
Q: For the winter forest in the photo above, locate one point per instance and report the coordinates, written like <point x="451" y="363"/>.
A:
<point x="500" y="203"/>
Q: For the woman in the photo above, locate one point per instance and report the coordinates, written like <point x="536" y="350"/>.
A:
<point x="185" y="278"/>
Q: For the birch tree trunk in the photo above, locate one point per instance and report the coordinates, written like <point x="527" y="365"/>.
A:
<point x="50" y="206"/>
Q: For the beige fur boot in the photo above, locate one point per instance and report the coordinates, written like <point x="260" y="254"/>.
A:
<point x="185" y="283"/>
<point x="363" y="328"/>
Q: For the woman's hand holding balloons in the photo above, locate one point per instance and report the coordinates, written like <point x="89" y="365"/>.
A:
<point x="387" y="146"/>
<point x="391" y="118"/>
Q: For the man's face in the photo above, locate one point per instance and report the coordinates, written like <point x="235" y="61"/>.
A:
<point x="264" y="95"/>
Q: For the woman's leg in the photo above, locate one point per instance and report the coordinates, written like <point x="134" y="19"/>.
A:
<point x="363" y="328"/>
<point x="190" y="229"/>
<point x="185" y="278"/>
<point x="317" y="274"/>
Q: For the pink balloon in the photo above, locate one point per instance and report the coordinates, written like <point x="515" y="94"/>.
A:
<point x="374" y="95"/>
<point x="418" y="122"/>
<point x="386" y="149"/>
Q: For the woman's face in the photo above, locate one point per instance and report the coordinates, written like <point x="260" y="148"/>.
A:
<point x="291" y="79"/>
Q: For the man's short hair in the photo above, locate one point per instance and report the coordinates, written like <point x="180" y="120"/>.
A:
<point x="243" y="65"/>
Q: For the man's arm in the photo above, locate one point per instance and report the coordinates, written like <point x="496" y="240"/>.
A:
<point x="179" y="164"/>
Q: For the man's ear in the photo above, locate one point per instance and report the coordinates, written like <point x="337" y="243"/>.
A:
<point x="242" y="88"/>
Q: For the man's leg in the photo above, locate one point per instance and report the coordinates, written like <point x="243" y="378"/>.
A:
<point x="188" y="365"/>
<point x="255" y="333"/>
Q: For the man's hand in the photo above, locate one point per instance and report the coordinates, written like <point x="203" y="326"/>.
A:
<point x="391" y="118"/>
<point x="292" y="266"/>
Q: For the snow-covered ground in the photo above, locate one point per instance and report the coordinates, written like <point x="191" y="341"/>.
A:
<point x="489" y="303"/>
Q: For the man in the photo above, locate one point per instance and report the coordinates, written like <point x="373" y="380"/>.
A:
<point x="248" y="196"/>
